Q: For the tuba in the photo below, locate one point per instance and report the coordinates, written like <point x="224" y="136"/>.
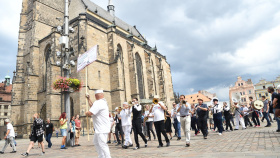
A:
<point x="236" y="97"/>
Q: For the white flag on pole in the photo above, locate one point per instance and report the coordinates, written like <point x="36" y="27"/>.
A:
<point x="87" y="58"/>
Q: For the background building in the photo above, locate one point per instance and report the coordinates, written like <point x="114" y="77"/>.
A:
<point x="126" y="66"/>
<point x="244" y="88"/>
<point x="5" y="100"/>
<point x="192" y="99"/>
<point x="261" y="87"/>
<point x="207" y="94"/>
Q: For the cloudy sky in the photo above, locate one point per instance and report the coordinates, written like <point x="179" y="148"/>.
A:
<point x="207" y="42"/>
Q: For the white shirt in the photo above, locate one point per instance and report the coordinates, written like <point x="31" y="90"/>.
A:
<point x="138" y="108"/>
<point x="111" y="120"/>
<point x="100" y="117"/>
<point x="245" y="110"/>
<point x="126" y="117"/>
<point x="158" y="113"/>
<point x="150" y="119"/>
<point x="217" y="108"/>
<point x="11" y="128"/>
<point x="227" y="108"/>
<point x="176" y="115"/>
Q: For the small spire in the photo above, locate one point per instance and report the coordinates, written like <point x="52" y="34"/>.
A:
<point x="111" y="8"/>
<point x="110" y="2"/>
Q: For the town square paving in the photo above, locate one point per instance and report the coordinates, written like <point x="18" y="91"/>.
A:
<point x="250" y="143"/>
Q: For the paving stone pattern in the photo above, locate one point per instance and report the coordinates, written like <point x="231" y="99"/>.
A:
<point x="250" y="143"/>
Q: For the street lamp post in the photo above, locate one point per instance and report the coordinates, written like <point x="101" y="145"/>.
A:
<point x="68" y="51"/>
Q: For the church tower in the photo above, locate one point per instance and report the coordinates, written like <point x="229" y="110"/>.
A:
<point x="37" y="19"/>
<point x="111" y="8"/>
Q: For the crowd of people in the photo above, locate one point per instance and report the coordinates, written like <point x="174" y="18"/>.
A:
<point x="130" y="117"/>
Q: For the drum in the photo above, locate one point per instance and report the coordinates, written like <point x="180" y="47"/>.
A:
<point x="258" y="105"/>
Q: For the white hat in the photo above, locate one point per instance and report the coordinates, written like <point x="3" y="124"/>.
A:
<point x="98" y="91"/>
<point x="125" y="103"/>
<point x="156" y="96"/>
<point x="7" y="120"/>
<point x="278" y="87"/>
<point x="234" y="100"/>
<point x="116" y="108"/>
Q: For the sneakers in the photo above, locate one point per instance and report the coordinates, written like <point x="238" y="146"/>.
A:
<point x="258" y="126"/>
<point x="179" y="138"/>
<point x="1" y="152"/>
<point x="63" y="147"/>
<point x="267" y="126"/>
<point x="146" y="145"/>
<point x="136" y="148"/>
<point x="205" y="137"/>
<point x="220" y="134"/>
<point x="25" y="154"/>
<point x="131" y="145"/>
<point x="188" y="145"/>
<point x="13" y="151"/>
<point x="159" y="146"/>
<point x="125" y="147"/>
<point x="114" y="141"/>
<point x="43" y="153"/>
<point x="109" y="142"/>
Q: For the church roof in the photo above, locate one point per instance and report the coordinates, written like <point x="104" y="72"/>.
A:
<point x="106" y="15"/>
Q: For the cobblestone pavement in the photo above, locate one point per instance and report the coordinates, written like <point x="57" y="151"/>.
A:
<point x="253" y="142"/>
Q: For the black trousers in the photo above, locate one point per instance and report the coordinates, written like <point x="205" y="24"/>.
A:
<point x="118" y="129"/>
<point x="149" y="126"/>
<point x="218" y="121"/>
<point x="194" y="124"/>
<point x="160" y="129"/>
<point x="137" y="129"/>
<point x="227" y="117"/>
<point x="255" y="118"/>
<point x="202" y="123"/>
<point x="247" y="121"/>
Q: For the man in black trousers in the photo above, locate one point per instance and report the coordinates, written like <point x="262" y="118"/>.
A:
<point x="118" y="128"/>
<point x="158" y="110"/>
<point x="202" y="111"/>
<point x="136" y="123"/>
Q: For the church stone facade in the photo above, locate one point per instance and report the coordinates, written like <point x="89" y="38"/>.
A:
<point x="126" y="66"/>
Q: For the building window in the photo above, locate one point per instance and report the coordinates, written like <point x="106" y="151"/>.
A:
<point x="263" y="87"/>
<point x="241" y="99"/>
<point x="241" y="84"/>
<point x="260" y="95"/>
<point x="5" y="114"/>
<point x="238" y="84"/>
<point x="191" y="97"/>
<point x="240" y="93"/>
<point x="99" y="74"/>
<point x="243" y="93"/>
<point x="250" y="91"/>
<point x="6" y="106"/>
<point x="193" y="100"/>
<point x="266" y="94"/>
<point x="244" y="99"/>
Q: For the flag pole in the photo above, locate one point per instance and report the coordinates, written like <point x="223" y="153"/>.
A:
<point x="86" y="100"/>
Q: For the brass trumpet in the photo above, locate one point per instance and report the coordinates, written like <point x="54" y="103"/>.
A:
<point x="155" y="101"/>
<point x="130" y="102"/>
<point x="184" y="102"/>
